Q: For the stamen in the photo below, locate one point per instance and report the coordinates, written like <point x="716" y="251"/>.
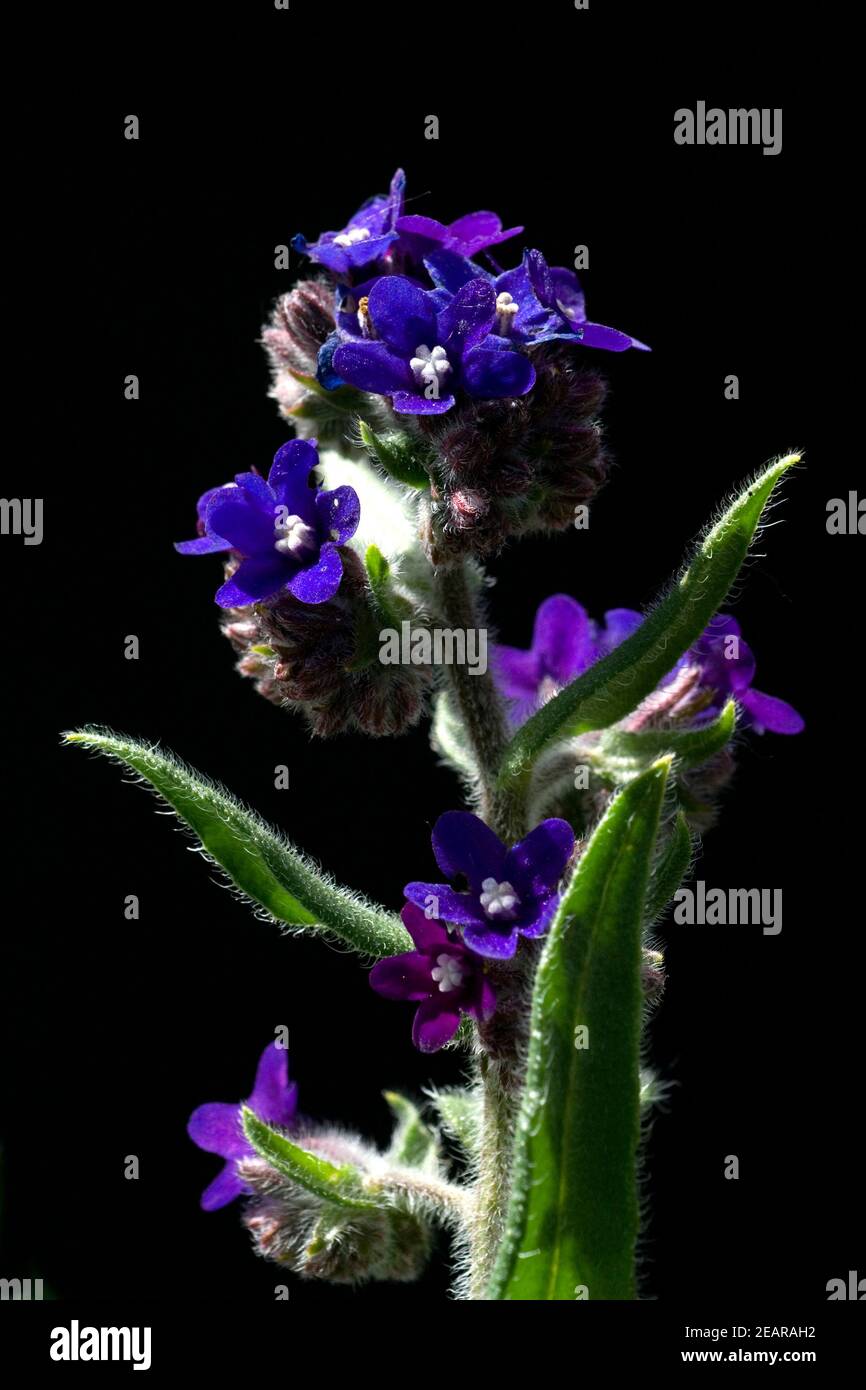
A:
<point x="499" y="899"/>
<point x="506" y="312"/>
<point x="294" y="537"/>
<point x="447" y="972"/>
<point x="350" y="238"/>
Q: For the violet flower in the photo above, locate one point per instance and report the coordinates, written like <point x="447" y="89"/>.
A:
<point x="565" y="642"/>
<point x="511" y="892"/>
<point x="286" y="533"/>
<point x="367" y="237"/>
<point x="535" y="303"/>
<point x="423" y="346"/>
<point x="216" y="1127"/>
<point x="727" y="666"/>
<point x="441" y="975"/>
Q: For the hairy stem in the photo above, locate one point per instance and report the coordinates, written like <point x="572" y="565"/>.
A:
<point x="478" y="701"/>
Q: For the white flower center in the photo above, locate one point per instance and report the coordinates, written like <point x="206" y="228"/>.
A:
<point x="447" y="972"/>
<point x="506" y="311"/>
<point x="499" y="899"/>
<point x="429" y="367"/>
<point x="294" y="537"/>
<point x="352" y="237"/>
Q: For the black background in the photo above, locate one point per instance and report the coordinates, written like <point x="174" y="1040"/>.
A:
<point x="157" y="258"/>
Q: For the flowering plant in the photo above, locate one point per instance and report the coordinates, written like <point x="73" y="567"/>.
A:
<point x="441" y="406"/>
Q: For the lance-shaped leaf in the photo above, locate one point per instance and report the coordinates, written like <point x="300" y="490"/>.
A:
<point x="397" y="454"/>
<point x="615" y="685"/>
<point x="258" y="860"/>
<point x="621" y="754"/>
<point x="340" y="1184"/>
<point x="573" y="1211"/>
<point x="460" y="1113"/>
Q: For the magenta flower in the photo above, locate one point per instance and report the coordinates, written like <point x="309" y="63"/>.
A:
<point x="285" y="532"/>
<point x="216" y="1127"/>
<point x="467" y="236"/>
<point x="508" y="893"/>
<point x="441" y="975"/>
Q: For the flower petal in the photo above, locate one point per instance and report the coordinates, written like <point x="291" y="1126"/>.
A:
<point x="273" y="1099"/>
<point x="202" y="545"/>
<point x="339" y="512"/>
<point x="406" y="976"/>
<point x="434" y="1025"/>
<point x="247" y="523"/>
<point x="410" y="403"/>
<point x="425" y="931"/>
<point x="224" y="1188"/>
<point x="289" y="477"/>
<point x="372" y="366"/>
<point x="562" y="636"/>
<point x="461" y="909"/>
<point x="216" y="1128"/>
<point x="468" y="318"/>
<point x="490" y="374"/>
<point x="255" y="580"/>
<point x="448" y="271"/>
<point x="768" y="712"/>
<point x="536" y="864"/>
<point x="401" y="314"/>
<point x="496" y="944"/>
<point x="463" y="844"/>
<point x="317" y="583"/>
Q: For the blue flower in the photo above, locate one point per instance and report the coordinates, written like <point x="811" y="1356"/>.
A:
<point x="285" y="532"/>
<point x="422" y="346"/>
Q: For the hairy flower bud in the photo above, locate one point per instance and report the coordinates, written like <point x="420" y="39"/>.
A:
<point x="509" y="467"/>
<point x="300" y="323"/>
<point x="321" y="1240"/>
<point x="323" y="659"/>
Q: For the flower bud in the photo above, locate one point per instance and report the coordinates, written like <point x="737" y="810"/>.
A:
<point x="323" y="659"/>
<point x="506" y="468"/>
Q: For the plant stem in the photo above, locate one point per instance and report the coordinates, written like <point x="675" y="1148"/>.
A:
<point x="502" y="1040"/>
<point x="478" y="700"/>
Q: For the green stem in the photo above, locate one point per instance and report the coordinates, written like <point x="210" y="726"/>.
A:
<point x="502" y="1041"/>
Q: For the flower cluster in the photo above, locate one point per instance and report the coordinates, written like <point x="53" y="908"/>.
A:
<point x="494" y="896"/>
<point x="565" y="642"/>
<point x="421" y="322"/>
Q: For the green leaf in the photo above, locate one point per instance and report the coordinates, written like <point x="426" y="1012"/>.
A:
<point x="614" y="686"/>
<point x="622" y="754"/>
<point x="671" y="869"/>
<point x="412" y="1143"/>
<point x="397" y="454"/>
<point x="257" y="859"/>
<point x="450" y="740"/>
<point x="572" y="1218"/>
<point x="341" y="1185"/>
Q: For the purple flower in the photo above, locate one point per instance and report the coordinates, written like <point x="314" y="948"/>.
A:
<point x="285" y="532"/>
<point x="441" y="975"/>
<point x="727" y="667"/>
<point x="367" y="237"/>
<point x="466" y="237"/>
<point x="216" y="1127"/>
<point x="510" y="893"/>
<point x="535" y="303"/>
<point x="424" y="345"/>
<point x="565" y="642"/>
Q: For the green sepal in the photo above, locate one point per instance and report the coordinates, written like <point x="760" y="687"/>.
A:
<point x="572" y="1216"/>
<point x="258" y="860"/>
<point x="413" y="1144"/>
<point x="622" y="755"/>
<point x="614" y="686"/>
<point x="397" y="454"/>
<point x="341" y="1185"/>
<point x="460" y="1115"/>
